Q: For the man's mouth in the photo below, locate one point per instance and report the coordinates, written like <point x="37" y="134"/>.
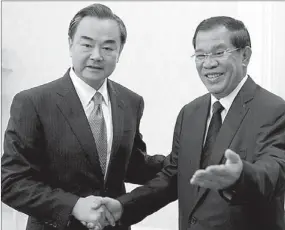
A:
<point x="213" y="76"/>
<point x="95" y="67"/>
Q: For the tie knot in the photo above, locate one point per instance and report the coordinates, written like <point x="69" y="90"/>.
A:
<point x="98" y="98"/>
<point x="217" y="107"/>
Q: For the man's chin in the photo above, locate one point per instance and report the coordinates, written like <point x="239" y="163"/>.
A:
<point x="94" y="77"/>
<point x="216" y="92"/>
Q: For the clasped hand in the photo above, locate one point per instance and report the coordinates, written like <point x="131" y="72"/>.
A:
<point x="97" y="212"/>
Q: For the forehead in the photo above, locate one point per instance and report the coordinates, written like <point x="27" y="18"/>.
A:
<point x="207" y="40"/>
<point x="98" y="29"/>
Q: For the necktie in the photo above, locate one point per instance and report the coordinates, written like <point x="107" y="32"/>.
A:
<point x="98" y="128"/>
<point x="214" y="128"/>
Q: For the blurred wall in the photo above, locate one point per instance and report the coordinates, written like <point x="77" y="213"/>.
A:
<point x="155" y="62"/>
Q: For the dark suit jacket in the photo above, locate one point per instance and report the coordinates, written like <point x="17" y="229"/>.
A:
<point x="255" y="129"/>
<point x="50" y="157"/>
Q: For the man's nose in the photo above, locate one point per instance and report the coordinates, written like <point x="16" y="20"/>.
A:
<point x="209" y="62"/>
<point x="96" y="54"/>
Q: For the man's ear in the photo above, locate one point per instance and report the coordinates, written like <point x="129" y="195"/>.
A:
<point x="246" y="56"/>
<point x="70" y="43"/>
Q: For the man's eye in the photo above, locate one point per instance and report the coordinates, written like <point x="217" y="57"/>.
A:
<point x="219" y="53"/>
<point x="87" y="45"/>
<point x="200" y="56"/>
<point x="107" y="48"/>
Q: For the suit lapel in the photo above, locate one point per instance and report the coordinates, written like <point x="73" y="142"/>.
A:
<point x="233" y="121"/>
<point x="228" y="130"/>
<point x="117" y="106"/>
<point x="230" y="126"/>
<point x="117" y="115"/>
<point x="69" y="104"/>
<point x="196" y="123"/>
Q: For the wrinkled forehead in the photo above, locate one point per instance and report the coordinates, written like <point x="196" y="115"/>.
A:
<point x="214" y="38"/>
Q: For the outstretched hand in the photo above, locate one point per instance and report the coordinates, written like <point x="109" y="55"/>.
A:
<point x="219" y="176"/>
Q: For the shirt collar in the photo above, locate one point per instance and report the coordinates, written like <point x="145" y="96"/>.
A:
<point x="227" y="101"/>
<point x="86" y="92"/>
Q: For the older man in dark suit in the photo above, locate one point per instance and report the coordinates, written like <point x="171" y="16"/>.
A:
<point x="76" y="139"/>
<point x="227" y="165"/>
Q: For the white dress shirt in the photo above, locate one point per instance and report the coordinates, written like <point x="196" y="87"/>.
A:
<point x="226" y="102"/>
<point x="86" y="93"/>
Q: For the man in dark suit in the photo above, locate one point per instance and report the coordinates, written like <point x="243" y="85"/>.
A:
<point x="76" y="139"/>
<point x="227" y="165"/>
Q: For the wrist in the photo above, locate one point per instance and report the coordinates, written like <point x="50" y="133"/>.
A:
<point x="121" y="210"/>
<point x="74" y="209"/>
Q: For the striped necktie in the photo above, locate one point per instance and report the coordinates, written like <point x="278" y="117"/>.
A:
<point x="98" y="128"/>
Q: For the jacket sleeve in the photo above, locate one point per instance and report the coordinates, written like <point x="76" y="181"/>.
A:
<point x="142" y="167"/>
<point x="156" y="193"/>
<point x="264" y="178"/>
<point x="23" y="180"/>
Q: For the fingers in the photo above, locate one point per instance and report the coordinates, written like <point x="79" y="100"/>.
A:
<point x="195" y="175"/>
<point x="205" y="183"/>
<point x="96" y="202"/>
<point x="219" y="176"/>
<point x="84" y="223"/>
<point x="96" y="218"/>
<point x="94" y="210"/>
<point x="217" y="170"/>
<point x="114" y="207"/>
<point x="232" y="157"/>
<point x="98" y="227"/>
<point x="105" y="200"/>
<point x="205" y="179"/>
<point x="90" y="225"/>
<point x="109" y="216"/>
<point x="93" y="226"/>
<point x="209" y="174"/>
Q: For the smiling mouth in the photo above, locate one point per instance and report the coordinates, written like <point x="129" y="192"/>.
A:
<point x="213" y="76"/>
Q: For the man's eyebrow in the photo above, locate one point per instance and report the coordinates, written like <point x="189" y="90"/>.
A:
<point x="110" y="41"/>
<point x="86" y="38"/>
<point x="213" y="48"/>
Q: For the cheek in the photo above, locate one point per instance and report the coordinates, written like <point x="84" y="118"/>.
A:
<point x="199" y="68"/>
<point x="81" y="59"/>
<point x="111" y="63"/>
<point x="232" y="70"/>
<point x="199" y="71"/>
<point x="231" y="80"/>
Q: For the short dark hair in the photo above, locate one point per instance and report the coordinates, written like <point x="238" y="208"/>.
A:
<point x="240" y="37"/>
<point x="99" y="11"/>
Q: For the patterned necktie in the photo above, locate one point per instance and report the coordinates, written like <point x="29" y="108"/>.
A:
<point x="214" y="128"/>
<point x="98" y="127"/>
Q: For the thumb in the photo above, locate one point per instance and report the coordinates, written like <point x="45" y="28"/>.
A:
<point x="232" y="157"/>
<point x="97" y="203"/>
<point x="105" y="200"/>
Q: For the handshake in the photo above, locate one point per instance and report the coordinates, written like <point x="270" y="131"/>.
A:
<point x="96" y="212"/>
